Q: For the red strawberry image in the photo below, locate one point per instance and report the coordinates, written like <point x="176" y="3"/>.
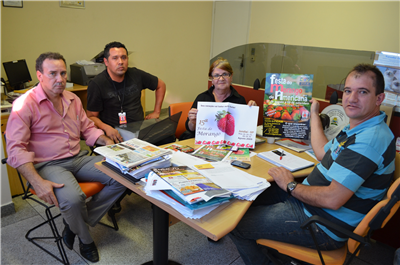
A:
<point x="229" y="142"/>
<point x="213" y="142"/>
<point x="230" y="124"/>
<point x="225" y="122"/>
<point x="224" y="141"/>
<point x="204" y="142"/>
<point x="247" y="145"/>
<point x="238" y="144"/>
<point x="198" y="142"/>
<point x="242" y="145"/>
<point x="217" y="142"/>
<point x="208" y="142"/>
<point x="251" y="146"/>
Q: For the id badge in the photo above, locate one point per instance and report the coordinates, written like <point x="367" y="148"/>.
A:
<point x="122" y="117"/>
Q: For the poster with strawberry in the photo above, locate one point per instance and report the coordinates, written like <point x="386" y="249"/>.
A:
<point x="226" y="123"/>
<point x="287" y="105"/>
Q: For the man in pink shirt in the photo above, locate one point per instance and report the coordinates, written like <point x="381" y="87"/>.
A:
<point x="43" y="134"/>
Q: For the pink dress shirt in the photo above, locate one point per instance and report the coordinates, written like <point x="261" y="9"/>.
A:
<point x="36" y="132"/>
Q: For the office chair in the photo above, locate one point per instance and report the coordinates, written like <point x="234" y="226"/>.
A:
<point x="256" y="84"/>
<point x="177" y="107"/>
<point x="375" y="219"/>
<point x="89" y="188"/>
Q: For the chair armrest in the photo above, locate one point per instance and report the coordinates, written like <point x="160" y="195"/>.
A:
<point x="332" y="226"/>
<point x="4" y="161"/>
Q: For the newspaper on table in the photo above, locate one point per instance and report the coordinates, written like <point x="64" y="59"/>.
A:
<point x="131" y="153"/>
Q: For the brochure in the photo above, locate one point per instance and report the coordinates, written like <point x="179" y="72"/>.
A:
<point x="132" y="152"/>
<point x="243" y="154"/>
<point x="213" y="152"/>
<point x="182" y="148"/>
<point x="285" y="159"/>
<point x="226" y="123"/>
<point x="189" y="184"/>
<point x="287" y="105"/>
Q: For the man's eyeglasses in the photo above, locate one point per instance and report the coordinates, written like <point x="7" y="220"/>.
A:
<point x="224" y="76"/>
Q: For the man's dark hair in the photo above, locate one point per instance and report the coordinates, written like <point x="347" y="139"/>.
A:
<point x="378" y="81"/>
<point x="48" y="55"/>
<point x="114" y="44"/>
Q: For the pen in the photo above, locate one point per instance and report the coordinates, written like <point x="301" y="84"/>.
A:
<point x="282" y="154"/>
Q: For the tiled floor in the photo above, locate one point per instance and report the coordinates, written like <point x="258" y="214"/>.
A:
<point x="132" y="244"/>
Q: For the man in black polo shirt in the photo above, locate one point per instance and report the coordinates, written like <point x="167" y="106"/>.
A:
<point x="114" y="95"/>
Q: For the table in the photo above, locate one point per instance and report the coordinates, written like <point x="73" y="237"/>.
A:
<point x="214" y="225"/>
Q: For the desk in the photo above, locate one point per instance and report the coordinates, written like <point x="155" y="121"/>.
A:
<point x="214" y="225"/>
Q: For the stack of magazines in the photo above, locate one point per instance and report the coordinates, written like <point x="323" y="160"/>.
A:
<point x="135" y="157"/>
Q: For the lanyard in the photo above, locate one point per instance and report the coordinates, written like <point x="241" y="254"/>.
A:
<point x="123" y="93"/>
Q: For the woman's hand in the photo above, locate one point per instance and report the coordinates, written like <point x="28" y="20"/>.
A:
<point x="192" y="115"/>
<point x="251" y="103"/>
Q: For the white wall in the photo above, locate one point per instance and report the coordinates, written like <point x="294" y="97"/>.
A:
<point x="168" y="39"/>
<point x="357" y="25"/>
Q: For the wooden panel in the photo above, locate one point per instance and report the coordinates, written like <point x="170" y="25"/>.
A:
<point x="15" y="185"/>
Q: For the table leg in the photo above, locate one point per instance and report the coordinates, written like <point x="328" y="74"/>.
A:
<point x="160" y="238"/>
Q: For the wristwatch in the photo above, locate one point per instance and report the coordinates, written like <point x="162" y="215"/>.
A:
<point x="290" y="187"/>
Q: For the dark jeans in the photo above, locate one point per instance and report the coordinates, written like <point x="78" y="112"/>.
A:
<point x="275" y="216"/>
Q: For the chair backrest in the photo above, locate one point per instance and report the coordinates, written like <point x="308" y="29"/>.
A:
<point x="177" y="107"/>
<point x="380" y="214"/>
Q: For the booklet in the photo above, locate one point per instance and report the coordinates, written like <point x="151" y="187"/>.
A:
<point x="213" y="152"/>
<point x="182" y="148"/>
<point x="243" y="154"/>
<point x="132" y="152"/>
<point x="285" y="159"/>
<point x="297" y="146"/>
<point x="287" y="105"/>
<point x="189" y="184"/>
<point x="226" y="123"/>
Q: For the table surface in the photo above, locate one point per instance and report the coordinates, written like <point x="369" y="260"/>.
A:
<point x="224" y="219"/>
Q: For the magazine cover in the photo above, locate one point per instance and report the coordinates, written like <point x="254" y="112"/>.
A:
<point x="213" y="152"/>
<point x="287" y="105"/>
<point x="226" y="123"/>
<point x="132" y="152"/>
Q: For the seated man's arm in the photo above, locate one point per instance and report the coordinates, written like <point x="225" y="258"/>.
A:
<point x="318" y="138"/>
<point x="104" y="140"/>
<point x="160" y="93"/>
<point x="111" y="132"/>
<point x="331" y="197"/>
<point x="43" y="188"/>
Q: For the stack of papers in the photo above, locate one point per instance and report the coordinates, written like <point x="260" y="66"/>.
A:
<point x="240" y="185"/>
<point x="135" y="157"/>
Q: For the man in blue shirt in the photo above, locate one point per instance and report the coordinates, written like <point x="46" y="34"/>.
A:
<point x="355" y="172"/>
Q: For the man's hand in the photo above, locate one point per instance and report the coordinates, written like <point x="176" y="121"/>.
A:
<point x="153" y="115"/>
<point x="104" y="140"/>
<point x="314" y="106"/>
<point x="44" y="190"/>
<point x="282" y="176"/>
<point x="113" y="134"/>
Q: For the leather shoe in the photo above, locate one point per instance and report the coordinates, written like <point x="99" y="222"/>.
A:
<point x="68" y="236"/>
<point x="89" y="251"/>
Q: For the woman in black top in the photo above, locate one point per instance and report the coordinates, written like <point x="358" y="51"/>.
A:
<point x="221" y="91"/>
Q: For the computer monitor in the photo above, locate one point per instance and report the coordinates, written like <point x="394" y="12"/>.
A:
<point x="17" y="73"/>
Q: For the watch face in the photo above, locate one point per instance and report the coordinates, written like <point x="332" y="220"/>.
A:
<point x="291" y="186"/>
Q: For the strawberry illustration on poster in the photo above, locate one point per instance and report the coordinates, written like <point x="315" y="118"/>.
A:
<point x="287" y="105"/>
<point x="226" y="123"/>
